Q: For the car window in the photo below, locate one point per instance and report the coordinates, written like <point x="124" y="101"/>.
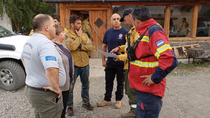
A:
<point x="201" y="24"/>
<point x="5" y="32"/>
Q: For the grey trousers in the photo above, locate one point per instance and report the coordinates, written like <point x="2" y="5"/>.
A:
<point x="44" y="103"/>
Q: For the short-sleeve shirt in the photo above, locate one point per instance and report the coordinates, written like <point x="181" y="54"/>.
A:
<point x="114" y="38"/>
<point x="39" y="54"/>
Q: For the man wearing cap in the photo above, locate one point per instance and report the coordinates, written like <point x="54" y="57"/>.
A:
<point x="128" y="20"/>
<point x="113" y="37"/>
<point x="155" y="60"/>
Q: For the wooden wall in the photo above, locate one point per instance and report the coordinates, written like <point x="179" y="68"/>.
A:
<point x="65" y="12"/>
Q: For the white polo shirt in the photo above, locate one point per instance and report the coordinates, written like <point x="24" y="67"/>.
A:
<point x="38" y="54"/>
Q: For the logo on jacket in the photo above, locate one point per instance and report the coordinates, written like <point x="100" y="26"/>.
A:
<point x="159" y="43"/>
<point x="120" y="36"/>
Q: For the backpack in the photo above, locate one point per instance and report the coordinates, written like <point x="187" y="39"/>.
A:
<point x="131" y="49"/>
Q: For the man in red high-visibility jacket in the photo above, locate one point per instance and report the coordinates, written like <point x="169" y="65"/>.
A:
<point x="147" y="75"/>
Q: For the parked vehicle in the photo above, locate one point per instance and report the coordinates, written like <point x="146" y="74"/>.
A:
<point x="203" y="28"/>
<point x="12" y="73"/>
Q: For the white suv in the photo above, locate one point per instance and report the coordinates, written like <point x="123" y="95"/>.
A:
<point x="12" y="73"/>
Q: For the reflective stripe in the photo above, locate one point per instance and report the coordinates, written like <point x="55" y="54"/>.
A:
<point x="145" y="39"/>
<point x="126" y="46"/>
<point x="159" y="24"/>
<point x="137" y="37"/>
<point x="134" y="106"/>
<point x="88" y="42"/>
<point x="68" y="39"/>
<point x="157" y="55"/>
<point x="87" y="27"/>
<point x="145" y="64"/>
<point x="162" y="49"/>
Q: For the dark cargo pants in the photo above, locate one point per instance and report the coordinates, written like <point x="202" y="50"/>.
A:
<point x="130" y="92"/>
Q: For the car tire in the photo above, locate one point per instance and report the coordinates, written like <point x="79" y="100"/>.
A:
<point x="12" y="75"/>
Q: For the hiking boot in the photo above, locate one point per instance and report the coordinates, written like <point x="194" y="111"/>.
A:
<point x="104" y="103"/>
<point x="88" y="106"/>
<point x="130" y="114"/>
<point x="70" y="111"/>
<point x="118" y="104"/>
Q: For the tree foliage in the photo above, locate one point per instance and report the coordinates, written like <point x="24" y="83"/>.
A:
<point x="21" y="12"/>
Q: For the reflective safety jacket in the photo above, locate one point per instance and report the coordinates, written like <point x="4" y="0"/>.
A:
<point x="133" y="37"/>
<point x="31" y="32"/>
<point x="86" y="28"/>
<point x="79" y="48"/>
<point x="154" y="42"/>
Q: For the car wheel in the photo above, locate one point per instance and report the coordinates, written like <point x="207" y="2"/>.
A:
<point x="12" y="75"/>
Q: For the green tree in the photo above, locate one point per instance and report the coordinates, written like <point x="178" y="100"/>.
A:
<point x="21" y="12"/>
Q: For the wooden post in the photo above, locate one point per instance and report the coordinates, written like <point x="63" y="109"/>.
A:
<point x="194" y="21"/>
<point x="67" y="16"/>
<point x="62" y="10"/>
<point x="109" y="14"/>
<point x="167" y="19"/>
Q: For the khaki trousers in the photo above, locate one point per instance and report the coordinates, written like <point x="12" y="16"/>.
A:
<point x="44" y="103"/>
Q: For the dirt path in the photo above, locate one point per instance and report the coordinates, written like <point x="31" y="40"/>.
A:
<point x="187" y="96"/>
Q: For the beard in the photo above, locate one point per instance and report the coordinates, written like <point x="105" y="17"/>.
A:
<point x="76" y="28"/>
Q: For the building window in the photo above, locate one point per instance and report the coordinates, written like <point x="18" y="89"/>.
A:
<point x="203" y="26"/>
<point x="157" y="13"/>
<point x="181" y="20"/>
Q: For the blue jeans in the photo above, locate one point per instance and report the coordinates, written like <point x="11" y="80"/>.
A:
<point x="83" y="72"/>
<point x="148" y="105"/>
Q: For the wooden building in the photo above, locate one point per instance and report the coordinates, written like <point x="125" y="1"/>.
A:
<point x="168" y="13"/>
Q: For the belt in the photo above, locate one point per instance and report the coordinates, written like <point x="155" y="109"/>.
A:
<point x="38" y="89"/>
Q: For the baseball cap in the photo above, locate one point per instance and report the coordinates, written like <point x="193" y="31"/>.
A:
<point x="125" y="13"/>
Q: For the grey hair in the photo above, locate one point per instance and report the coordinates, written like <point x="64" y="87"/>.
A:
<point x="142" y="13"/>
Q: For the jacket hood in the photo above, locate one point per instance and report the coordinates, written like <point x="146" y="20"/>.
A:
<point x="142" y="28"/>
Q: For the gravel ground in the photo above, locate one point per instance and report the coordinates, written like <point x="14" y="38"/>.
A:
<point x="187" y="96"/>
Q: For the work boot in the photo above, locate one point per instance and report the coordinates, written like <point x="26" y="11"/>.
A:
<point x="118" y="104"/>
<point x="88" y="106"/>
<point x="104" y="103"/>
<point x="130" y="114"/>
<point x="70" y="111"/>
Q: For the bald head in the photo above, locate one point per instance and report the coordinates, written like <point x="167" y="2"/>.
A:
<point x="40" y="21"/>
<point x="115" y="21"/>
<point x="115" y="15"/>
<point x="44" y="24"/>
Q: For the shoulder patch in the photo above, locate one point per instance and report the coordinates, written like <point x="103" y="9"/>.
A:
<point x="160" y="42"/>
<point x="50" y="58"/>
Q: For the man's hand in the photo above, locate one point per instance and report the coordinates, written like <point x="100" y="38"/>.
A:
<point x="104" y="63"/>
<point x="148" y="80"/>
<point x="114" y="50"/>
<point x="79" y="33"/>
<point x="116" y="58"/>
<point x="59" y="92"/>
